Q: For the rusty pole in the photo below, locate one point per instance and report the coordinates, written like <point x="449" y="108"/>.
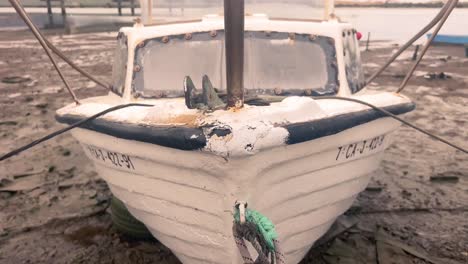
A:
<point x="234" y="41"/>
<point x="119" y="7"/>
<point x="50" y="14"/>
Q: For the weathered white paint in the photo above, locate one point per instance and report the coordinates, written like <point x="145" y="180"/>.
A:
<point x="186" y="198"/>
<point x="254" y="128"/>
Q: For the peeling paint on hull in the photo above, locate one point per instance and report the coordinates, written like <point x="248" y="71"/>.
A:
<point x="300" y="162"/>
<point x="184" y="197"/>
<point x="216" y="137"/>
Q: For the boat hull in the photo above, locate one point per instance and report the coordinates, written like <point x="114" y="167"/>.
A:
<point x="186" y="198"/>
<point x="450" y="39"/>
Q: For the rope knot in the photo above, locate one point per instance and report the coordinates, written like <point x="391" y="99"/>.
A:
<point x="256" y="228"/>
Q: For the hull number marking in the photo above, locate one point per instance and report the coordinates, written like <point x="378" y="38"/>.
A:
<point x="117" y="159"/>
<point x="360" y="148"/>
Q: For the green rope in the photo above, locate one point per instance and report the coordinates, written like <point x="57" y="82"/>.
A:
<point x="264" y="225"/>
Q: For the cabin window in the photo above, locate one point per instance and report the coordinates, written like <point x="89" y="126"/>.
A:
<point x="290" y="64"/>
<point x="163" y="63"/>
<point x="275" y="63"/>
<point x="352" y="57"/>
<point x="119" y="69"/>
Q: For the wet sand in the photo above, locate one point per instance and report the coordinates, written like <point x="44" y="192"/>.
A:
<point x="53" y="206"/>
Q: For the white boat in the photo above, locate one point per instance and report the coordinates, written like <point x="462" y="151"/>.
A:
<point x="180" y="165"/>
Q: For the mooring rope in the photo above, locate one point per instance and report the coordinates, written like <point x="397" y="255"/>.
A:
<point x="37" y="33"/>
<point x="387" y="113"/>
<point x="447" y="13"/>
<point x="430" y="25"/>
<point x="250" y="225"/>
<point x="63" y="130"/>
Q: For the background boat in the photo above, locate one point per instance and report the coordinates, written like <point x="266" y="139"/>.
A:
<point x="450" y="39"/>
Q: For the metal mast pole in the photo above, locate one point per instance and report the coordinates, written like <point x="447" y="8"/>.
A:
<point x="234" y="41"/>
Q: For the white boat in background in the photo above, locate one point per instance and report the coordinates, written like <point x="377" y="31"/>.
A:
<point x="180" y="165"/>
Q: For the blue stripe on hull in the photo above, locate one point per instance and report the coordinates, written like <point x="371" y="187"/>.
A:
<point x="178" y="137"/>
<point x="187" y="138"/>
<point x="301" y="132"/>
<point x="450" y="39"/>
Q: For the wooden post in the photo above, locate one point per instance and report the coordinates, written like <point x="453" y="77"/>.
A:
<point x="119" y="7"/>
<point x="132" y="7"/>
<point x="415" y="54"/>
<point x="49" y="13"/>
<point x="64" y="13"/>
<point x="367" y="42"/>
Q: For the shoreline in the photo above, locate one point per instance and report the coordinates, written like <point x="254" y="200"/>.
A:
<point x="337" y="5"/>
<point x="396" y="5"/>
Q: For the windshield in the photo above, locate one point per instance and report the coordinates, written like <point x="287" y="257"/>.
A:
<point x="164" y="11"/>
<point x="275" y="63"/>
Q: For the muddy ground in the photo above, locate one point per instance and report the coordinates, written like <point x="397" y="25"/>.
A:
<point x="53" y="206"/>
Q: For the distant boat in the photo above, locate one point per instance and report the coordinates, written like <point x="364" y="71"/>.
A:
<point x="450" y="39"/>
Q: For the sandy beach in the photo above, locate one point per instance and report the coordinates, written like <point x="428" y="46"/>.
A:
<point x="54" y="207"/>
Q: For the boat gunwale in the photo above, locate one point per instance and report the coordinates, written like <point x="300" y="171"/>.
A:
<point x="194" y="138"/>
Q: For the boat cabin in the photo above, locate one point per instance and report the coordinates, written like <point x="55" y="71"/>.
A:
<point x="282" y="57"/>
